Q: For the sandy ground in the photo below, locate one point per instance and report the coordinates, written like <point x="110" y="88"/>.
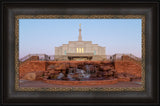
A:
<point x="26" y="83"/>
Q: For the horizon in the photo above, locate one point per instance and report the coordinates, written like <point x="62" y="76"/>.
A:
<point x="119" y="36"/>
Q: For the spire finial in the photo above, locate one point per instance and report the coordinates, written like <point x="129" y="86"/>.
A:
<point x="79" y="37"/>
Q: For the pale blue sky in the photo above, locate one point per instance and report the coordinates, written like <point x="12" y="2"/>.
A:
<point x="40" y="36"/>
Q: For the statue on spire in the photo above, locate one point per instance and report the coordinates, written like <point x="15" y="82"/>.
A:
<point x="79" y="37"/>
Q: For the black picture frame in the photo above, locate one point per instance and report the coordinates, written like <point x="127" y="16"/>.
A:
<point x="11" y="8"/>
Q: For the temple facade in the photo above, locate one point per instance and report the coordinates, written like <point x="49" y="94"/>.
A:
<point x="80" y="50"/>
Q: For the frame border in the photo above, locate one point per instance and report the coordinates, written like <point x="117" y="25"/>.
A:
<point x="150" y="9"/>
<point x="142" y="17"/>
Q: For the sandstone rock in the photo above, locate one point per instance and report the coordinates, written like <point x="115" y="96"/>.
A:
<point x="80" y="66"/>
<point x="73" y="65"/>
<point x="113" y="70"/>
<point x="39" y="78"/>
<point x="105" y="73"/>
<point x="50" y="67"/>
<point x="91" y="68"/>
<point x="46" y="71"/>
<point x="52" y="71"/>
<point x="65" y="78"/>
<point x="52" y="76"/>
<point x="45" y="77"/>
<point x="56" y="72"/>
<point x="99" y="74"/>
<point x="39" y="74"/>
<point x="121" y="76"/>
<point x="99" y="78"/>
<point x="110" y="78"/>
<point x="110" y="73"/>
<point x="58" y="68"/>
<point x="45" y="74"/>
<point x="30" y="76"/>
<point x="75" y="75"/>
<point x="62" y="66"/>
<point x="105" y="68"/>
<point x="93" y="76"/>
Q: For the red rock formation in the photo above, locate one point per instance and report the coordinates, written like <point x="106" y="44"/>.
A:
<point x="99" y="69"/>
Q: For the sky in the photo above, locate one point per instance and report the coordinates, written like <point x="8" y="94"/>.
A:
<point x="41" y="36"/>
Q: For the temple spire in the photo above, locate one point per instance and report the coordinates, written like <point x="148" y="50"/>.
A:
<point x="79" y="37"/>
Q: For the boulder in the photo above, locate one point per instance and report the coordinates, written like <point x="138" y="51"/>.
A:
<point x="93" y="76"/>
<point x="30" y="76"/>
<point x="45" y="77"/>
<point x="110" y="73"/>
<point x="99" y="74"/>
<point x="110" y="78"/>
<point x="60" y="76"/>
<point x="105" y="68"/>
<point x="45" y="74"/>
<point x="52" y="71"/>
<point x="76" y="75"/>
<point x="52" y="76"/>
<point x="92" y="68"/>
<point x="39" y="78"/>
<point x="113" y="70"/>
<point x="120" y="75"/>
<point x="72" y="65"/>
<point x="50" y="67"/>
<point x="39" y="74"/>
<point x="105" y="73"/>
<point x="65" y="78"/>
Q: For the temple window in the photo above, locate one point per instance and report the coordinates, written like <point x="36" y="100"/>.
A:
<point x="82" y="50"/>
<point x="77" y="50"/>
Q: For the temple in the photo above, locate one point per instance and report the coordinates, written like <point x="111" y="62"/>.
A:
<point x="80" y="50"/>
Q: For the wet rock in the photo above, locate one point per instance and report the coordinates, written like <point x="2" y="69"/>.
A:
<point x="61" y="75"/>
<point x="76" y="70"/>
